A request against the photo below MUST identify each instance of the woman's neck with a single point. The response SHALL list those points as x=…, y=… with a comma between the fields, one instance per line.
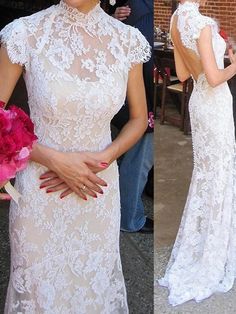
x=83, y=8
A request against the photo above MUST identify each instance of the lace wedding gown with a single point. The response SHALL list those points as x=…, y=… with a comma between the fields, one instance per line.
x=65, y=253
x=203, y=260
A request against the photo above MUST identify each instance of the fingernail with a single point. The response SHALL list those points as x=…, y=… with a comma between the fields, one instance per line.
x=85, y=198
x=7, y=198
x=2, y=103
x=49, y=191
x=61, y=197
x=42, y=186
x=104, y=164
x=101, y=192
x=95, y=196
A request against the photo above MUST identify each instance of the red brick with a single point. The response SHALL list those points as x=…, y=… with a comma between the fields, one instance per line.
x=223, y=11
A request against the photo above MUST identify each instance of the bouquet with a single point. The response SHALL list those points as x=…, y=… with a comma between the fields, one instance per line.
x=16, y=141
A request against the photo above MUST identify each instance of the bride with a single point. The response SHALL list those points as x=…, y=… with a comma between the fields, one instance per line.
x=203, y=260
x=77, y=63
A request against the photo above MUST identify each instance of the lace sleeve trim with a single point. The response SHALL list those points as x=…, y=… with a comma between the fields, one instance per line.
x=140, y=50
x=13, y=38
x=201, y=24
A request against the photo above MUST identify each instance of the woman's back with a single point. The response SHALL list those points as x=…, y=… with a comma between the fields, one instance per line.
x=204, y=254
x=186, y=26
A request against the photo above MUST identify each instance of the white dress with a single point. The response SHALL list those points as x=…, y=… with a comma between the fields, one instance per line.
x=203, y=260
x=65, y=253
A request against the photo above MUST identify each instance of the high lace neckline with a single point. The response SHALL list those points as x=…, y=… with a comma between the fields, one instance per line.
x=75, y=15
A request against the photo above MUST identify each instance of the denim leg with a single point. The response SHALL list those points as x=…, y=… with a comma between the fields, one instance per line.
x=134, y=169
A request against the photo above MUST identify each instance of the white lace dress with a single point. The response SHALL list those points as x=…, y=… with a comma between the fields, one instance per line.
x=203, y=260
x=65, y=253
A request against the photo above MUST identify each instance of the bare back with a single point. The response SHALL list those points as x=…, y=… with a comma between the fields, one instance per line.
x=190, y=59
x=187, y=24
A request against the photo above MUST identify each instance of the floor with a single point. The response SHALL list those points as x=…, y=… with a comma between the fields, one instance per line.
x=173, y=173
x=137, y=260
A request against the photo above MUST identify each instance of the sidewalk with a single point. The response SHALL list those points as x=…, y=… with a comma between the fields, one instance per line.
x=137, y=260
x=173, y=174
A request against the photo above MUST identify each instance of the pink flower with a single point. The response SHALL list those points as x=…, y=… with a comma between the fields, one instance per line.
x=5, y=121
x=151, y=121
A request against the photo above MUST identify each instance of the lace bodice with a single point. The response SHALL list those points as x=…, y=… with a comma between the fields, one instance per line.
x=65, y=253
x=76, y=70
x=190, y=24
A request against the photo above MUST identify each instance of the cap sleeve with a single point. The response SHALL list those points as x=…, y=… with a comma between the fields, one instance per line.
x=201, y=23
x=13, y=38
x=140, y=50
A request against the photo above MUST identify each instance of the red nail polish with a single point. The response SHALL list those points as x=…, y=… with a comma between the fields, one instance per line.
x=85, y=198
x=104, y=164
x=101, y=192
x=95, y=196
x=61, y=197
x=2, y=104
x=7, y=198
x=49, y=191
x=42, y=186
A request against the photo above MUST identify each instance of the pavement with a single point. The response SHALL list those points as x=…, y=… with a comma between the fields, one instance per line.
x=172, y=177
x=137, y=261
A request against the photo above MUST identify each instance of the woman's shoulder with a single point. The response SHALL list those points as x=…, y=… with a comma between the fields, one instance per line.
x=193, y=22
x=15, y=36
x=28, y=23
x=200, y=22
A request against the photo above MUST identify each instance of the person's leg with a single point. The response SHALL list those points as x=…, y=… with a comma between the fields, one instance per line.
x=134, y=169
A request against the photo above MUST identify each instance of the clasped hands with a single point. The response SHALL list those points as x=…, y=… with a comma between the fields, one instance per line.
x=75, y=172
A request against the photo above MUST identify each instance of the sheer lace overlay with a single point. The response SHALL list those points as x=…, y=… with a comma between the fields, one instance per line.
x=65, y=253
x=203, y=260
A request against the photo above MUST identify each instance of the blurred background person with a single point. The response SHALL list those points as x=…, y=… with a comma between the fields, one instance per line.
x=137, y=164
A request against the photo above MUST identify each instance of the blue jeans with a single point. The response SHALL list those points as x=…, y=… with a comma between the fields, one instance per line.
x=134, y=168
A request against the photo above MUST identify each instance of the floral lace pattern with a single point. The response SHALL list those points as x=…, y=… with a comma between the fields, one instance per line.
x=65, y=253
x=191, y=23
x=204, y=255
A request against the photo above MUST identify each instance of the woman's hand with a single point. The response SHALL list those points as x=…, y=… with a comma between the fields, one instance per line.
x=232, y=56
x=122, y=13
x=71, y=173
x=52, y=183
x=4, y=196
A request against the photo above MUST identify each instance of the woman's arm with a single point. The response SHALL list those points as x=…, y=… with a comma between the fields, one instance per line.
x=9, y=75
x=214, y=75
x=138, y=118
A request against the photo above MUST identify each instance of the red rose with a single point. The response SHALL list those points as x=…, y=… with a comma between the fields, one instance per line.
x=23, y=117
x=8, y=146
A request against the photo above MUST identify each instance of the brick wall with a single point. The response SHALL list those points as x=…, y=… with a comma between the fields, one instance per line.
x=222, y=10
